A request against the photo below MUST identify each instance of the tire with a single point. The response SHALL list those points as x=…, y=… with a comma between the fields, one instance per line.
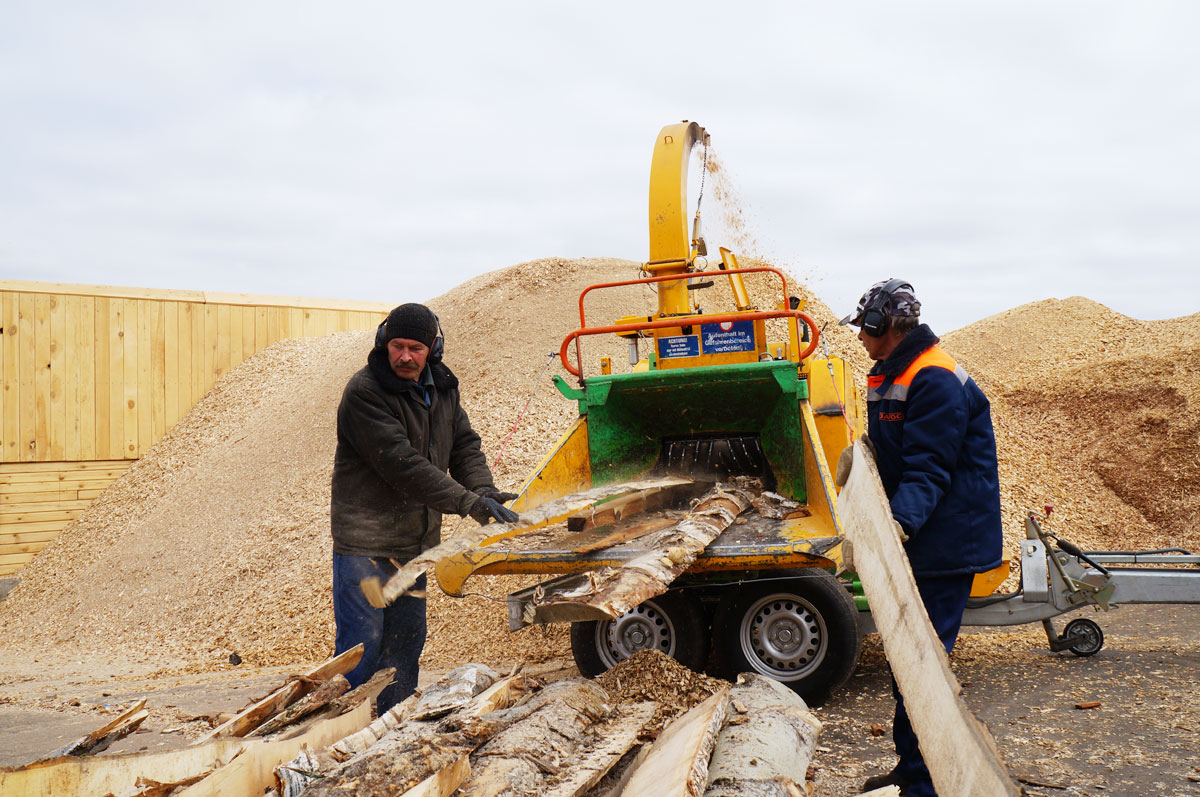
x=1093, y=636
x=802, y=631
x=677, y=627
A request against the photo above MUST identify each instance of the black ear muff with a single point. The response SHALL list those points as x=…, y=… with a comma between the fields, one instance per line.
x=381, y=334
x=439, y=343
x=877, y=317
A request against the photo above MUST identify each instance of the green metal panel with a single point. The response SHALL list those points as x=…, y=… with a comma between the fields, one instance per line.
x=630, y=414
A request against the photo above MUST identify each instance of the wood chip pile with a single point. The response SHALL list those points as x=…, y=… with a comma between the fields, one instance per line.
x=217, y=541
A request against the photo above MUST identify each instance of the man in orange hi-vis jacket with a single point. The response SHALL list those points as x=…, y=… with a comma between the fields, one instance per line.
x=931, y=429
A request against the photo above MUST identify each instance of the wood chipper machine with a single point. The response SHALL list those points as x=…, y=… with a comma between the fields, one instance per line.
x=709, y=400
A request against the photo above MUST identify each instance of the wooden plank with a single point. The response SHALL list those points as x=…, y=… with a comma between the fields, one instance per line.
x=235, y=337
x=10, y=417
x=129, y=387
x=145, y=380
x=961, y=755
x=57, y=399
x=61, y=467
x=315, y=700
x=209, y=346
x=262, y=331
x=30, y=547
x=158, y=372
x=380, y=595
x=191, y=353
x=103, y=378
x=37, y=517
x=70, y=288
x=40, y=443
x=11, y=562
x=86, y=378
x=170, y=387
x=249, y=719
x=27, y=345
x=18, y=534
x=72, y=367
x=677, y=762
x=51, y=505
x=16, y=495
x=248, y=326
x=117, y=728
x=116, y=378
x=36, y=482
x=221, y=348
x=53, y=526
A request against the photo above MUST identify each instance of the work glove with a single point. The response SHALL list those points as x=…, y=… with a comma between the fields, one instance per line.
x=488, y=509
x=495, y=495
x=846, y=460
x=899, y=530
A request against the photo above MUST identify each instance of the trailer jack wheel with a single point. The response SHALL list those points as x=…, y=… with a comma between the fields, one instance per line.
x=1084, y=637
x=801, y=631
x=677, y=627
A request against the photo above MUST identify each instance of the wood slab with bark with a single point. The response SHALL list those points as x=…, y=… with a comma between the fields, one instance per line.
x=615, y=738
x=669, y=552
x=381, y=595
x=958, y=749
x=117, y=728
x=677, y=762
x=250, y=718
x=310, y=703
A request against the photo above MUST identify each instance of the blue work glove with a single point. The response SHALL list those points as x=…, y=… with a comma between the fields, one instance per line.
x=488, y=509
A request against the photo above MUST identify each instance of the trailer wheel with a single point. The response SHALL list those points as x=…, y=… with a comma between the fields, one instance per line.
x=802, y=631
x=677, y=627
x=1092, y=638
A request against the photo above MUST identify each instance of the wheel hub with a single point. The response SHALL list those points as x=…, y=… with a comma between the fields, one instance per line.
x=643, y=627
x=784, y=635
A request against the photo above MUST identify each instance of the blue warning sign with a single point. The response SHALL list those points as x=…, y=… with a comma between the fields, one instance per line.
x=679, y=346
x=728, y=336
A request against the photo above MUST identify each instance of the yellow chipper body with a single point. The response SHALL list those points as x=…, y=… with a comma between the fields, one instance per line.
x=709, y=400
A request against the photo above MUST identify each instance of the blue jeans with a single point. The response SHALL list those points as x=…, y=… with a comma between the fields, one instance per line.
x=391, y=637
x=945, y=598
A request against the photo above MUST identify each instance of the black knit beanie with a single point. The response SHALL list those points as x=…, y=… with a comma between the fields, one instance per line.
x=411, y=321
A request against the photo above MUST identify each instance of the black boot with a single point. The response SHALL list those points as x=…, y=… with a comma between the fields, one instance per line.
x=893, y=778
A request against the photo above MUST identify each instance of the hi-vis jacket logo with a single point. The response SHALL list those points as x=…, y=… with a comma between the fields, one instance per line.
x=891, y=416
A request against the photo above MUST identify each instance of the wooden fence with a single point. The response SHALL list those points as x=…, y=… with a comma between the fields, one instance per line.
x=94, y=376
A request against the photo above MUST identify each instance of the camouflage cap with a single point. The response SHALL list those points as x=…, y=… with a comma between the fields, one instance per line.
x=903, y=303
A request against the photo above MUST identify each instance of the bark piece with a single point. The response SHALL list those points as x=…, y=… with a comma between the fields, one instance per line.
x=381, y=595
x=118, y=728
x=768, y=749
x=961, y=755
x=615, y=738
x=677, y=762
x=615, y=535
x=444, y=782
x=616, y=590
x=313, y=701
x=281, y=698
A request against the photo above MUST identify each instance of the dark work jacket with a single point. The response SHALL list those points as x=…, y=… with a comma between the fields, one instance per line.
x=390, y=480
x=932, y=430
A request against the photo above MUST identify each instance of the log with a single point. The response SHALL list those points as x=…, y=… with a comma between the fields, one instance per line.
x=677, y=762
x=313, y=701
x=517, y=759
x=281, y=698
x=615, y=738
x=118, y=728
x=381, y=595
x=961, y=755
x=766, y=744
x=616, y=590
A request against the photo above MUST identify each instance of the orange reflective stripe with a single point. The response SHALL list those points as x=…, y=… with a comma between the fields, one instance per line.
x=933, y=356
x=876, y=380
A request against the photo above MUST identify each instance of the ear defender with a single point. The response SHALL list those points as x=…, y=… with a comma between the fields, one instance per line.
x=877, y=318
x=381, y=334
x=439, y=343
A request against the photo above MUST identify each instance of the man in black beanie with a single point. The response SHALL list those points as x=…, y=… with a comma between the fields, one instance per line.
x=406, y=453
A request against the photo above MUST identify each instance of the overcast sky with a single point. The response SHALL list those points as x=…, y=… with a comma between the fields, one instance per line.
x=994, y=153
